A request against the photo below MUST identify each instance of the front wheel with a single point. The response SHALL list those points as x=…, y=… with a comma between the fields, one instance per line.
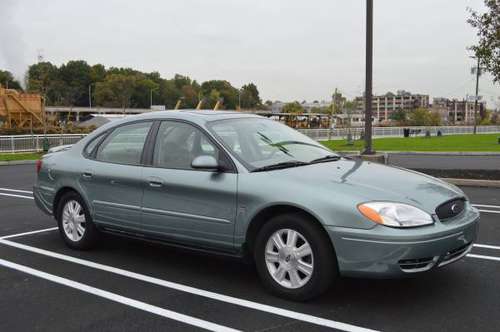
x=75, y=224
x=294, y=257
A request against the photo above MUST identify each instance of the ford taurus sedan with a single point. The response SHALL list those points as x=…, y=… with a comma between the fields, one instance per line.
x=243, y=185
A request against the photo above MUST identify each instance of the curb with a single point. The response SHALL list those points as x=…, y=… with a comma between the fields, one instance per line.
x=473, y=183
x=17, y=162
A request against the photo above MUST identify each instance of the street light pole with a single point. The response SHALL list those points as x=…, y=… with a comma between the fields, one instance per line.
x=90, y=95
x=477, y=92
x=369, y=72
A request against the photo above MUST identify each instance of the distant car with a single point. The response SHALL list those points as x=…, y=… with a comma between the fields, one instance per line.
x=244, y=185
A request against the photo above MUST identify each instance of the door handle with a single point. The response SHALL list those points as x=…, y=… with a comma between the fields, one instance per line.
x=155, y=184
x=87, y=175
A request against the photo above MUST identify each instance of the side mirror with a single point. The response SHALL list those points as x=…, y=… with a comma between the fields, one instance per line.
x=205, y=162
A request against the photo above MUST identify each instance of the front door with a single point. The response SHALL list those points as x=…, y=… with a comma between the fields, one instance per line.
x=186, y=205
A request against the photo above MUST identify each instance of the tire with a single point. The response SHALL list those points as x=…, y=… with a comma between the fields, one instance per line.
x=67, y=221
x=294, y=259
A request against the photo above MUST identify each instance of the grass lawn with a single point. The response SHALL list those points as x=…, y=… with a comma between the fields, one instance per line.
x=19, y=156
x=451, y=143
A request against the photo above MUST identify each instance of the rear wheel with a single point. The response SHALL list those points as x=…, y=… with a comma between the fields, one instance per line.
x=294, y=257
x=75, y=224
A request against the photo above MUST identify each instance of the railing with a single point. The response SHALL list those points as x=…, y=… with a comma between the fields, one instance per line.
x=341, y=133
x=31, y=143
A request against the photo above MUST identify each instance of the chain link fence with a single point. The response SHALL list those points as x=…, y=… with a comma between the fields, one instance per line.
x=32, y=143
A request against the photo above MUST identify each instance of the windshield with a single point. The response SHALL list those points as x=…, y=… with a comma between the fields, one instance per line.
x=260, y=142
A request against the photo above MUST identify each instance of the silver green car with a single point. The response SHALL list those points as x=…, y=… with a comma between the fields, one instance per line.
x=242, y=185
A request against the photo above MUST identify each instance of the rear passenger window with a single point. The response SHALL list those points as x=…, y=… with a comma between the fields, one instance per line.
x=125, y=144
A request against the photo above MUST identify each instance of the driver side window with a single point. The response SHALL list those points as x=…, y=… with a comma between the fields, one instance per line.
x=178, y=143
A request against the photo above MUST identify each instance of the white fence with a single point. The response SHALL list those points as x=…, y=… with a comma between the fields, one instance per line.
x=30, y=143
x=341, y=133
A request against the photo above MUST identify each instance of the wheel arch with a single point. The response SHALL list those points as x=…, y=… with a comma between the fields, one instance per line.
x=265, y=214
x=60, y=193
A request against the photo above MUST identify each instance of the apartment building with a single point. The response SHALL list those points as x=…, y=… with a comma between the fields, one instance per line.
x=456, y=111
x=384, y=105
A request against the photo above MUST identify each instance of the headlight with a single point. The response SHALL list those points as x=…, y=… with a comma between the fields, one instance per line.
x=395, y=214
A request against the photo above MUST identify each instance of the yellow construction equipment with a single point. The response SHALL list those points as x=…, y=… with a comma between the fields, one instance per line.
x=178, y=104
x=21, y=110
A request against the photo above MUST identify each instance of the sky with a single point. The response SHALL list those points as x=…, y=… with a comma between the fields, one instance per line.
x=291, y=49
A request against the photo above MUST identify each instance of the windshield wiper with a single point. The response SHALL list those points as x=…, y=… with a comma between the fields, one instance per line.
x=331, y=157
x=285, y=164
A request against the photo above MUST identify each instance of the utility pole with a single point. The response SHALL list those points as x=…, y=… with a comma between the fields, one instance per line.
x=334, y=100
x=90, y=95
x=478, y=72
x=369, y=72
x=150, y=98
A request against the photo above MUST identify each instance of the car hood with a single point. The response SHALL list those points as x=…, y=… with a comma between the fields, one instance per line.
x=368, y=181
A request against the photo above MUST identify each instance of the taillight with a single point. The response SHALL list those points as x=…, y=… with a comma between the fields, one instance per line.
x=38, y=166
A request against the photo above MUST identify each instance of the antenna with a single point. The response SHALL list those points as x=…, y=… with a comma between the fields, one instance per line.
x=40, y=56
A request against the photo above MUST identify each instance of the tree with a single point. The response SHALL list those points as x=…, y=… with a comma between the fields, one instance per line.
x=7, y=80
x=116, y=90
x=294, y=107
x=488, y=30
x=77, y=77
x=224, y=89
x=423, y=117
x=249, y=97
x=42, y=78
x=399, y=116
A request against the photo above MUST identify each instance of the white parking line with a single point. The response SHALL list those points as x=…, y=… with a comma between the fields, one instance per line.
x=486, y=246
x=490, y=211
x=118, y=298
x=491, y=258
x=486, y=206
x=28, y=233
x=18, y=196
x=16, y=190
x=192, y=290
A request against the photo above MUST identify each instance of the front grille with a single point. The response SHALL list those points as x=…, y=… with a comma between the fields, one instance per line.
x=450, y=209
x=417, y=264
x=455, y=254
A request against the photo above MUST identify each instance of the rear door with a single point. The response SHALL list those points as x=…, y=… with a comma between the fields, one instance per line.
x=184, y=204
x=112, y=178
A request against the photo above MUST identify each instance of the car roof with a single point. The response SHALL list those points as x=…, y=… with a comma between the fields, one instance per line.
x=195, y=115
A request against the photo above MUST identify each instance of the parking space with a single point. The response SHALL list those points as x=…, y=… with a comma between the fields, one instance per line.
x=128, y=285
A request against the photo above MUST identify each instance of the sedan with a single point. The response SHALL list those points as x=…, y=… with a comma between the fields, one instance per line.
x=242, y=185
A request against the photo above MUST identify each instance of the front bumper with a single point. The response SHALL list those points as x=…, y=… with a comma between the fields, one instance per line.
x=384, y=252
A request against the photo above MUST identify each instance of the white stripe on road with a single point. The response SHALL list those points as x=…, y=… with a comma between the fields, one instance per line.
x=192, y=290
x=486, y=206
x=28, y=233
x=486, y=246
x=491, y=258
x=16, y=190
x=18, y=196
x=118, y=298
x=489, y=211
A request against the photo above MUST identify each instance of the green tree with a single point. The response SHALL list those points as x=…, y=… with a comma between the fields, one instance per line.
x=225, y=91
x=76, y=76
x=249, y=97
x=42, y=78
x=399, y=116
x=294, y=107
x=7, y=80
x=488, y=30
x=423, y=117
x=116, y=90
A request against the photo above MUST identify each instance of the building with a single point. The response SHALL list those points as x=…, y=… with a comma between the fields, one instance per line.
x=456, y=111
x=384, y=105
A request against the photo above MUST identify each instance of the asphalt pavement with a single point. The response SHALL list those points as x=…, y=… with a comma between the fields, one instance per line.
x=126, y=285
